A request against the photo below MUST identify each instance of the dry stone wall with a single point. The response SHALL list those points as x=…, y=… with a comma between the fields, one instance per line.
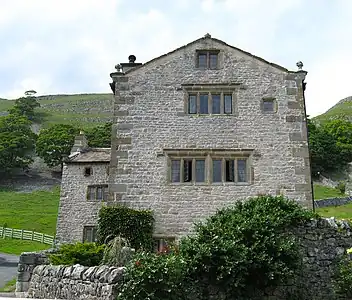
x=75, y=282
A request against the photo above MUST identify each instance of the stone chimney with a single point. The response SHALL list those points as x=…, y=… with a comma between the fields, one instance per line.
x=130, y=65
x=80, y=144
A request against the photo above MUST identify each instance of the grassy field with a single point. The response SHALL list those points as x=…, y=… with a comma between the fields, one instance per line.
x=30, y=211
x=323, y=192
x=339, y=212
x=84, y=110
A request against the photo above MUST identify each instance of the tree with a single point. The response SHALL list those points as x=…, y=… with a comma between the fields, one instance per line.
x=341, y=130
x=25, y=106
x=17, y=142
x=324, y=151
x=99, y=136
x=54, y=142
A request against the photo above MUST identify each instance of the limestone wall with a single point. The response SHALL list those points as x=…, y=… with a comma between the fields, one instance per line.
x=332, y=202
x=75, y=282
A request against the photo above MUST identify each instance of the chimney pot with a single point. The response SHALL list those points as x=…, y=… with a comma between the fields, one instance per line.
x=131, y=59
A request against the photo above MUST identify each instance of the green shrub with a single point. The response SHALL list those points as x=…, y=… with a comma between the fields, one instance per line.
x=242, y=251
x=341, y=186
x=117, y=252
x=134, y=225
x=86, y=254
x=343, y=278
x=155, y=277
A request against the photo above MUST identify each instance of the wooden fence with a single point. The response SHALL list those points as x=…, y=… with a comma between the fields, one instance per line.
x=26, y=235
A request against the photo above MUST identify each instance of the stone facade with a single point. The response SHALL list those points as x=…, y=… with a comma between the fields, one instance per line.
x=151, y=122
x=75, y=282
x=152, y=126
x=322, y=243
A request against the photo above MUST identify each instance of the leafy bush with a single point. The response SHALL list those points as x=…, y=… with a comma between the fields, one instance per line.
x=86, y=254
x=343, y=277
x=117, y=252
x=235, y=254
x=134, y=225
x=242, y=251
x=99, y=136
x=341, y=186
x=155, y=277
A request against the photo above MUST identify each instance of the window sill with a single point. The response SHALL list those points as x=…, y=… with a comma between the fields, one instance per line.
x=96, y=200
x=211, y=115
x=209, y=184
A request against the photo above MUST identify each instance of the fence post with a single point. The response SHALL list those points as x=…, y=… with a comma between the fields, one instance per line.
x=3, y=232
x=21, y=234
x=32, y=235
x=43, y=238
x=12, y=233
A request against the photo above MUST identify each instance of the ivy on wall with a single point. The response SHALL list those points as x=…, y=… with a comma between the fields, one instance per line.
x=134, y=225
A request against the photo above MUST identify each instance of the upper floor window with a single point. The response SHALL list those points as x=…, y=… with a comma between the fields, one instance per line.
x=210, y=103
x=209, y=168
x=207, y=59
x=97, y=192
x=268, y=105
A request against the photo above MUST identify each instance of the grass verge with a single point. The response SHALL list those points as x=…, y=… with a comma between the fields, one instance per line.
x=339, y=212
x=10, y=286
x=323, y=192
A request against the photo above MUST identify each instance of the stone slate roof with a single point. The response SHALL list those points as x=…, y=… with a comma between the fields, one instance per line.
x=90, y=155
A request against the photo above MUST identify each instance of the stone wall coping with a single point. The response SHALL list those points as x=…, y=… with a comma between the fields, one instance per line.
x=332, y=201
x=102, y=274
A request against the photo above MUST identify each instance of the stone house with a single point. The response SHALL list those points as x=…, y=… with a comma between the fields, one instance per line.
x=195, y=129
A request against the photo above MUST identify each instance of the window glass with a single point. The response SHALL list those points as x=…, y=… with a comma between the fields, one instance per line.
x=89, y=234
x=99, y=193
x=203, y=104
x=268, y=105
x=175, y=170
x=187, y=170
x=202, y=60
x=217, y=170
x=213, y=60
x=91, y=193
x=192, y=104
x=200, y=170
x=242, y=170
x=230, y=170
x=228, y=104
x=216, y=104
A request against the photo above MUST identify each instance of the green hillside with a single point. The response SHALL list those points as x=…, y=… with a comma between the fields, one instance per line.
x=84, y=109
x=341, y=110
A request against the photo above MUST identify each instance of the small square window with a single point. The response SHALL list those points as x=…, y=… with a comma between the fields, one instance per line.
x=89, y=234
x=268, y=105
x=161, y=244
x=88, y=171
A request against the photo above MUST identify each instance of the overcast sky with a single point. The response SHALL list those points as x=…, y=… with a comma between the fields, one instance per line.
x=71, y=46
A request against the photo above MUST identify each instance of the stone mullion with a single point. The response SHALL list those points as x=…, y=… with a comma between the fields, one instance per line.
x=210, y=101
x=235, y=170
x=198, y=103
x=209, y=169
x=193, y=170
x=182, y=170
x=223, y=170
x=222, y=103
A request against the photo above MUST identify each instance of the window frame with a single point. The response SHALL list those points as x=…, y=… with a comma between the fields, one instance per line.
x=208, y=53
x=162, y=242
x=210, y=94
x=95, y=188
x=85, y=173
x=273, y=101
x=93, y=234
x=209, y=157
